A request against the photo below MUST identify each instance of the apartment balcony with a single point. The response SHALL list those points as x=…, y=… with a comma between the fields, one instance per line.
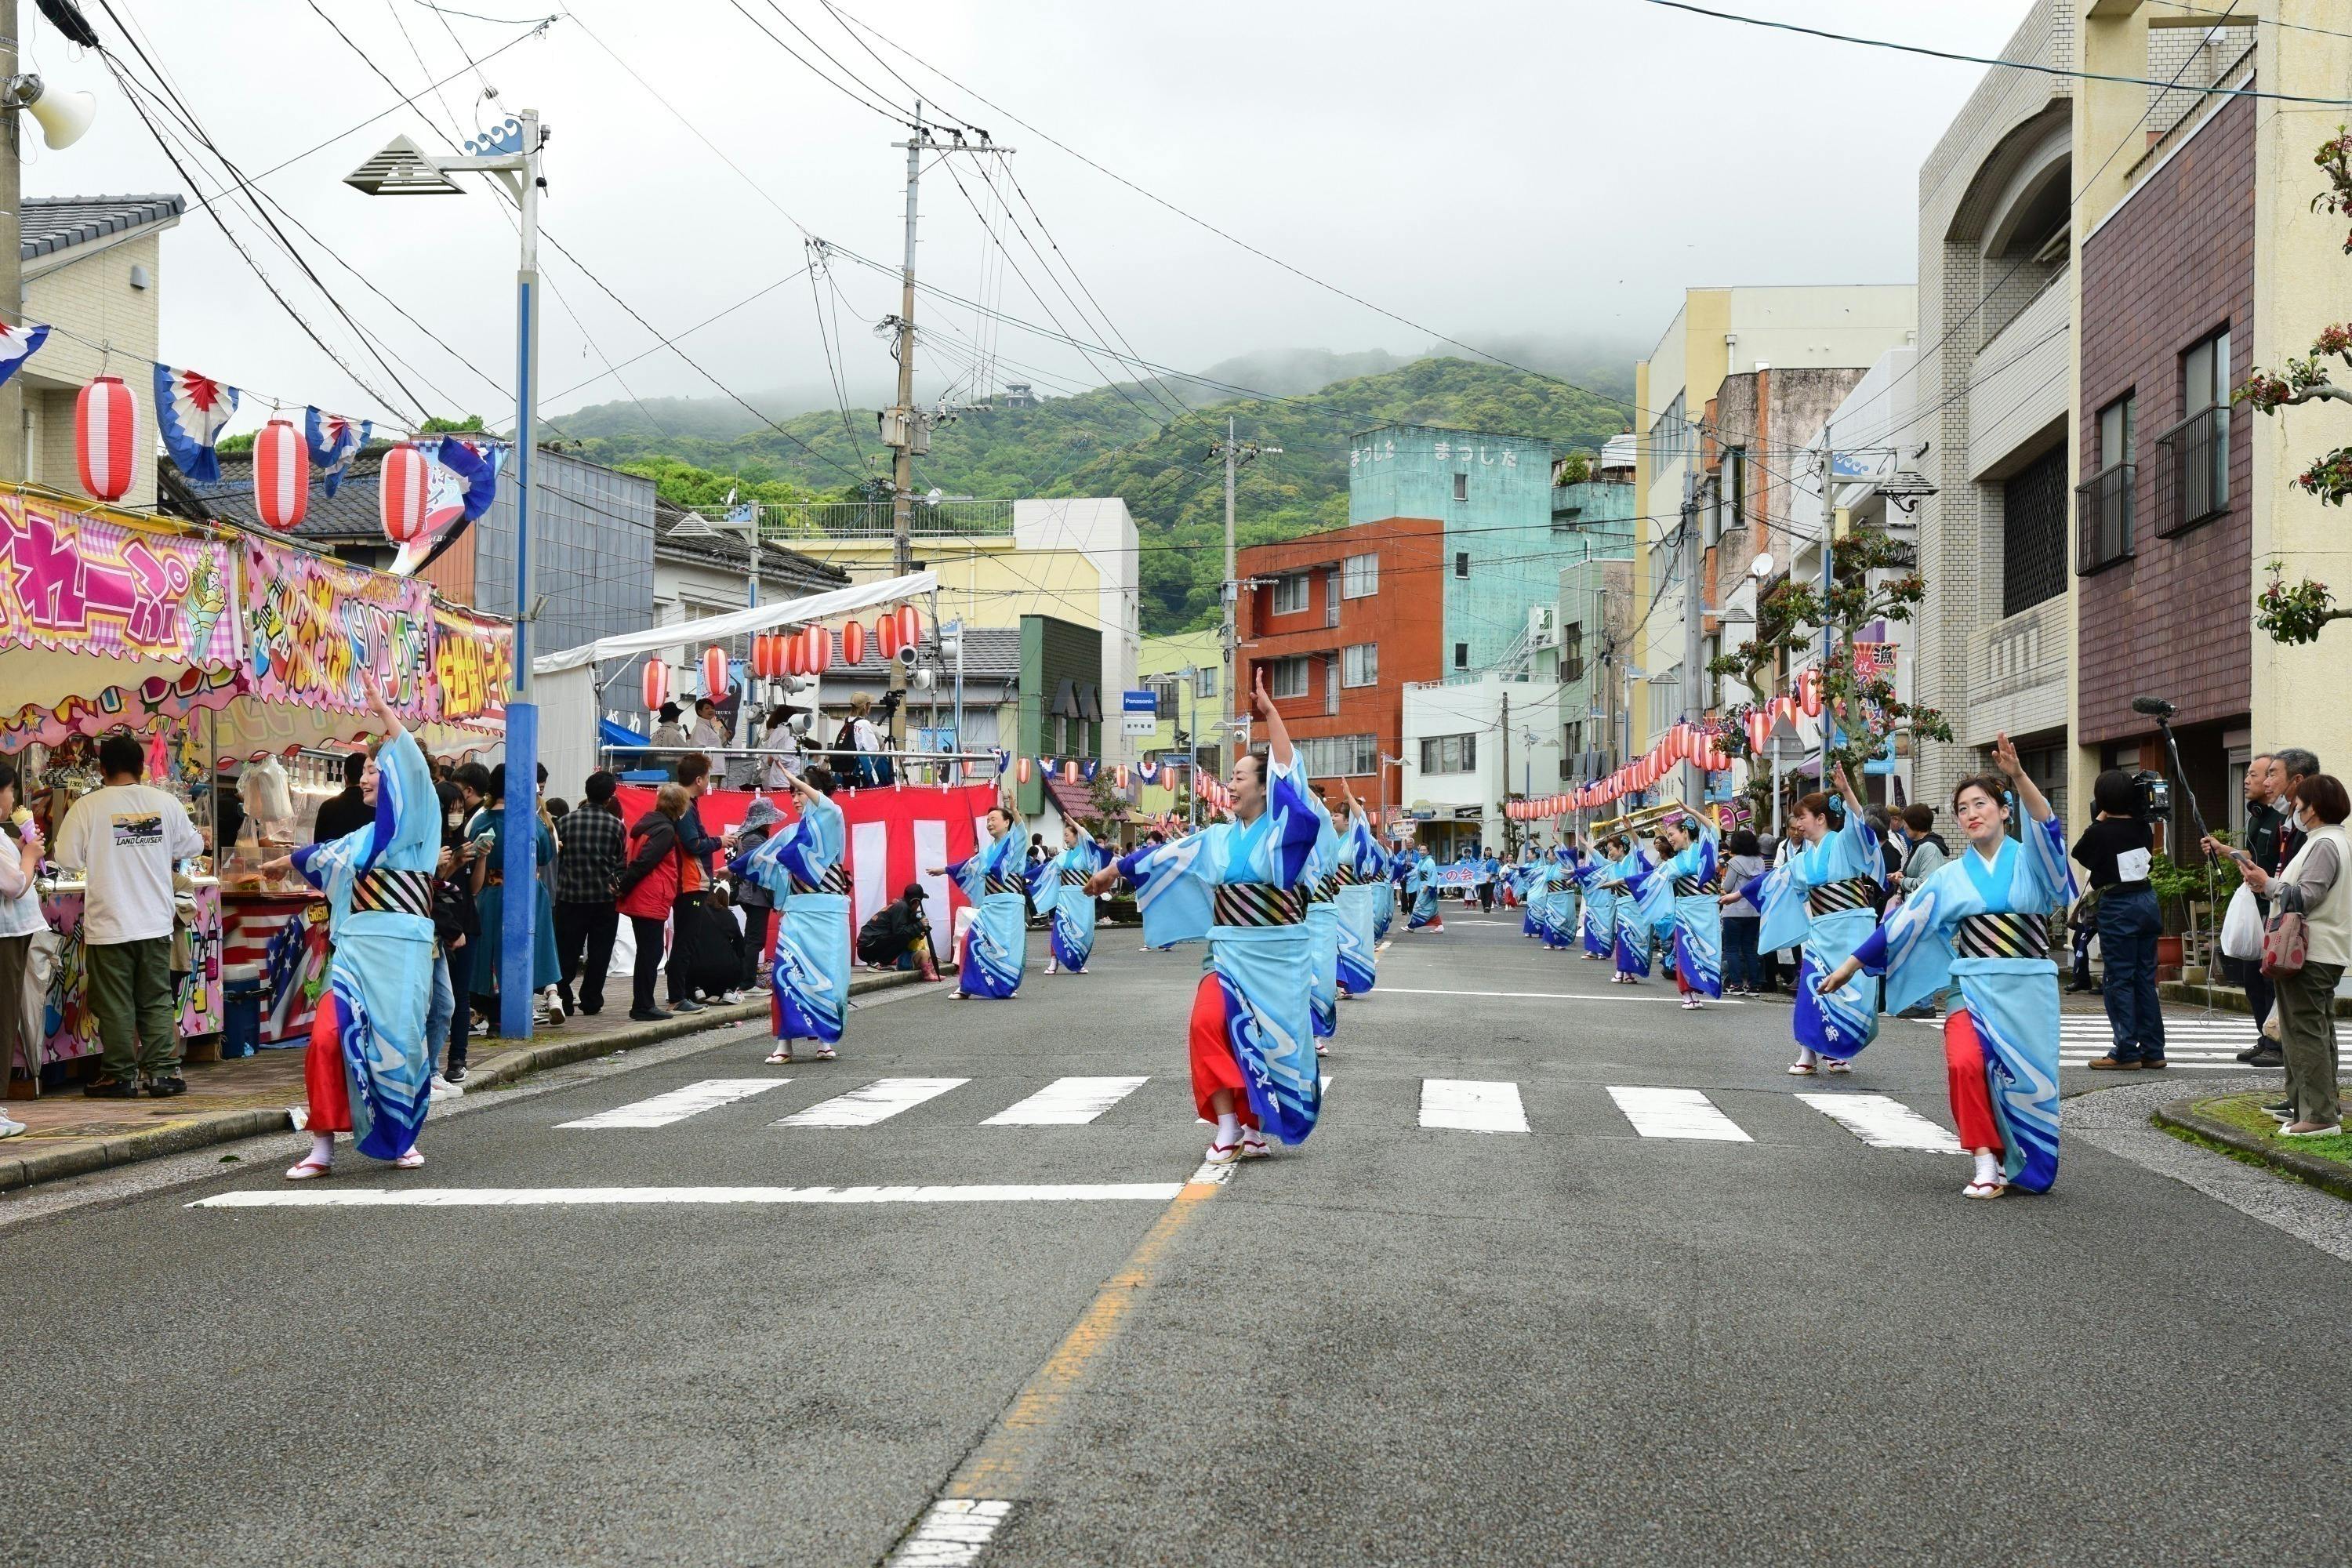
x=2196, y=484
x=2104, y=504
x=2019, y=386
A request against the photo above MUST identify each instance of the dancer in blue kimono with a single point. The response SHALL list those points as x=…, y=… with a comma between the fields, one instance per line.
x=1519, y=878
x=1567, y=888
x=1363, y=880
x=998, y=942
x=1690, y=875
x=1630, y=942
x=1241, y=886
x=1323, y=925
x=369, y=1071
x=1422, y=889
x=1600, y=883
x=1980, y=920
x=802, y=865
x=1058, y=887
x=1823, y=897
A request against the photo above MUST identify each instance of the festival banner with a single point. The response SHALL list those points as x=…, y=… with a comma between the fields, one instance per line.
x=83, y=585
x=312, y=624
x=473, y=667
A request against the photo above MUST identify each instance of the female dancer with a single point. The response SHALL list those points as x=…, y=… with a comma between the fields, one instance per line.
x=370, y=1067
x=1422, y=887
x=801, y=866
x=1981, y=921
x=1323, y=924
x=998, y=943
x=1568, y=888
x=1241, y=885
x=1363, y=874
x=1057, y=886
x=1630, y=943
x=1699, y=919
x=1600, y=892
x=1821, y=896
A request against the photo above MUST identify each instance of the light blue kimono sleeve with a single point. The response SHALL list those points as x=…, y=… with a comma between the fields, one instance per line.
x=1911, y=949
x=2043, y=865
x=1172, y=885
x=1786, y=921
x=1298, y=820
x=1044, y=883
x=1857, y=845
x=763, y=862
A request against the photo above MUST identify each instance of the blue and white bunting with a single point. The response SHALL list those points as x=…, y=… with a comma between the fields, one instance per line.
x=191, y=410
x=19, y=344
x=334, y=441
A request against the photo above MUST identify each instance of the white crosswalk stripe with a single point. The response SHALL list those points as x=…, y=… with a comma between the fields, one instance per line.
x=1471, y=1106
x=1067, y=1102
x=878, y=1101
x=1676, y=1113
x=679, y=1103
x=1882, y=1123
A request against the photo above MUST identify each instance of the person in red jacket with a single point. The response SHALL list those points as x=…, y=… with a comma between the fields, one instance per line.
x=648, y=886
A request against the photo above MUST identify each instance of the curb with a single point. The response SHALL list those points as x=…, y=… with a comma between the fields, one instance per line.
x=228, y=1126
x=2328, y=1175
x=2224, y=998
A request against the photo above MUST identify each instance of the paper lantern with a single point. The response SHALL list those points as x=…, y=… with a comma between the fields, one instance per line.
x=886, y=636
x=282, y=476
x=909, y=626
x=657, y=685
x=1021, y=770
x=853, y=643
x=1757, y=720
x=106, y=437
x=407, y=479
x=714, y=673
x=1809, y=692
x=817, y=651
x=767, y=656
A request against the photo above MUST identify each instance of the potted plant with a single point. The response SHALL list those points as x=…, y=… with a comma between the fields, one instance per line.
x=2177, y=887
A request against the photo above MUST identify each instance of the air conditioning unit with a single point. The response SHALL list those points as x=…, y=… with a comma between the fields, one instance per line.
x=1543, y=626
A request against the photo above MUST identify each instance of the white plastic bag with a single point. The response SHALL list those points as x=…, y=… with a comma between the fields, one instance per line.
x=2241, y=925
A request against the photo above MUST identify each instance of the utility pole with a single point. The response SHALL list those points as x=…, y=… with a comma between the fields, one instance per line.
x=1235, y=453
x=905, y=430
x=1503, y=729
x=1694, y=553
x=13, y=464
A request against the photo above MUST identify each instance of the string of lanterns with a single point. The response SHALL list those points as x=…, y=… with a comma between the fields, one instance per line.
x=778, y=656
x=1701, y=744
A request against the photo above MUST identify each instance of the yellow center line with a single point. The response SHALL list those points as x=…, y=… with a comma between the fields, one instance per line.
x=1001, y=1465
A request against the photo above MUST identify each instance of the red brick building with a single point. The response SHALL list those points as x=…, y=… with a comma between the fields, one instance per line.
x=1339, y=622
x=2164, y=519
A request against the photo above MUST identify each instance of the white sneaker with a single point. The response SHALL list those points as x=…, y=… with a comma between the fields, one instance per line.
x=732, y=997
x=554, y=999
x=442, y=1090
x=10, y=1129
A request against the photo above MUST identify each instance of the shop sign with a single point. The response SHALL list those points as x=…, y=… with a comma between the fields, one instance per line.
x=473, y=666
x=312, y=624
x=84, y=584
x=1139, y=712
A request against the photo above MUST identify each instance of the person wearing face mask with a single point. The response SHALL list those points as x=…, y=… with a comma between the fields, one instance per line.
x=1822, y=898
x=1981, y=922
x=2312, y=886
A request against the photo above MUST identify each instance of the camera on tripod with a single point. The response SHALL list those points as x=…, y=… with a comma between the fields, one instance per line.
x=2155, y=794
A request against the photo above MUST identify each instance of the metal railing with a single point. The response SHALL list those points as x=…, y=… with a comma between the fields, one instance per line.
x=2198, y=449
x=782, y=522
x=2104, y=504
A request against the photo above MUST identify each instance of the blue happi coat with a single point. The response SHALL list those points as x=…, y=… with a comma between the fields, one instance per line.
x=1261, y=970
x=1363, y=889
x=1068, y=904
x=1698, y=918
x=2013, y=1002
x=380, y=981
x=802, y=865
x=1841, y=1024
x=998, y=942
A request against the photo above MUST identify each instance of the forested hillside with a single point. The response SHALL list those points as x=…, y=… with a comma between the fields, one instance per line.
x=1113, y=441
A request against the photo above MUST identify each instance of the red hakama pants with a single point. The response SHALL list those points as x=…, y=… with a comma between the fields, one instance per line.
x=1214, y=1065
x=1964, y=1067
x=323, y=1076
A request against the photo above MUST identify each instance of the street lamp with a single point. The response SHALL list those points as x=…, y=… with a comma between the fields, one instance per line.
x=509, y=152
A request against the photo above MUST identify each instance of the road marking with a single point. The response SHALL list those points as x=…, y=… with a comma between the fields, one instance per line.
x=878, y=1101
x=1469, y=1105
x=954, y=1533
x=1560, y=995
x=1882, y=1123
x=1067, y=1102
x=1676, y=1113
x=679, y=1103
x=590, y=1198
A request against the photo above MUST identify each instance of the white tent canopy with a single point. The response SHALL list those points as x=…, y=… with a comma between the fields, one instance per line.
x=758, y=618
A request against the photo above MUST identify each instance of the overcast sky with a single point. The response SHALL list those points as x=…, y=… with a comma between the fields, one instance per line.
x=1558, y=168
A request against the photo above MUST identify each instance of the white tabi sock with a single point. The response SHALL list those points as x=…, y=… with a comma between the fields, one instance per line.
x=1229, y=1129
x=322, y=1147
x=1987, y=1168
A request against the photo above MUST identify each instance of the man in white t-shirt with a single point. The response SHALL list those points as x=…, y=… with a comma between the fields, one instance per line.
x=126, y=839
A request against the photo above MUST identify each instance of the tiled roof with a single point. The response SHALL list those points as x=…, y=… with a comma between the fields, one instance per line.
x=354, y=513
x=989, y=653
x=724, y=549
x=51, y=223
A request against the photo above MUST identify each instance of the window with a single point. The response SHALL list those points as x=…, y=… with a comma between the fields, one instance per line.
x=1331, y=598
x=1710, y=685
x=2104, y=501
x=1360, y=664
x=1571, y=651
x=1205, y=683
x=2198, y=446
x=1359, y=576
x=1449, y=754
x=1735, y=487
x=1330, y=683
x=1164, y=688
x=2033, y=533
x=1572, y=737
x=1462, y=564
x=1061, y=734
x=1290, y=594
x=1462, y=655
x=1461, y=487
x=1290, y=677
x=1339, y=756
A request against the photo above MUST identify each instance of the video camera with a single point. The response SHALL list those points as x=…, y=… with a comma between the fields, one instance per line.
x=2155, y=794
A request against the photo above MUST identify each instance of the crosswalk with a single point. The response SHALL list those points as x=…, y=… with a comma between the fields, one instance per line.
x=2196, y=1041
x=1486, y=1106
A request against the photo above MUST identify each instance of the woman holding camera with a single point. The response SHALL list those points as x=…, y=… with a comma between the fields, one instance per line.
x=2117, y=850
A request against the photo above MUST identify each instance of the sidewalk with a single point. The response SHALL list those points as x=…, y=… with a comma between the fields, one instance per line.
x=71, y=1136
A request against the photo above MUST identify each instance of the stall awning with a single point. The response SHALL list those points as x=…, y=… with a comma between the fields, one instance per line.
x=822, y=606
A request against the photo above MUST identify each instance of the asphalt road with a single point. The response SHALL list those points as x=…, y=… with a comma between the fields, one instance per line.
x=1402, y=1343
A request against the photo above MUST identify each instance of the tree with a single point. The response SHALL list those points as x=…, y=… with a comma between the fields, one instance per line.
x=1871, y=577
x=2296, y=613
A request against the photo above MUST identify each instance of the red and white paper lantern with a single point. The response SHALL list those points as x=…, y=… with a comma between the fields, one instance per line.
x=1809, y=692
x=909, y=626
x=886, y=636
x=714, y=673
x=282, y=476
x=656, y=685
x=407, y=479
x=816, y=649
x=768, y=658
x=106, y=437
x=853, y=643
